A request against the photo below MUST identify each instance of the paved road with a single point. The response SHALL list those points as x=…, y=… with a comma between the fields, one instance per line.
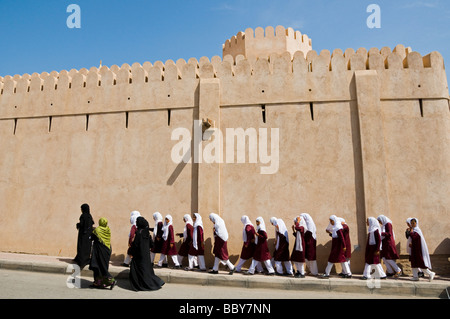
x=30, y=285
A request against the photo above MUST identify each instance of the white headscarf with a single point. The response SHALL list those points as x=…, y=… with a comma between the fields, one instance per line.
x=188, y=220
x=133, y=216
x=166, y=227
x=246, y=221
x=298, y=235
x=374, y=225
x=310, y=226
x=219, y=226
x=261, y=226
x=157, y=217
x=384, y=220
x=281, y=229
x=198, y=223
x=336, y=227
x=425, y=253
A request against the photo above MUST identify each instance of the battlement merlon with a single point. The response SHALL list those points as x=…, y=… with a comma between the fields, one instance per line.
x=261, y=43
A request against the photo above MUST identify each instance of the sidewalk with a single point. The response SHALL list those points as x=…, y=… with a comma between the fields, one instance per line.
x=400, y=287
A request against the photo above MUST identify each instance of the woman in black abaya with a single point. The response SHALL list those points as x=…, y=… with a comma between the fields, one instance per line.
x=84, y=243
x=142, y=276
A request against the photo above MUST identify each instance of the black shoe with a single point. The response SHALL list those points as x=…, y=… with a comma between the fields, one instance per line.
x=364, y=278
x=125, y=265
x=165, y=266
x=177, y=267
x=421, y=274
x=323, y=276
x=213, y=272
x=271, y=274
x=347, y=276
x=232, y=271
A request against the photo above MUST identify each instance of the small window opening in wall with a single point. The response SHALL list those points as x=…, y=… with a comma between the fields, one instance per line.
x=15, y=126
x=128, y=98
x=87, y=122
x=263, y=110
x=49, y=124
x=146, y=79
x=126, y=119
x=311, y=110
x=262, y=91
x=14, y=90
x=56, y=86
x=421, y=107
x=168, y=116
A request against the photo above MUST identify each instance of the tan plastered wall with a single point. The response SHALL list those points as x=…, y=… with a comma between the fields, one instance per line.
x=360, y=134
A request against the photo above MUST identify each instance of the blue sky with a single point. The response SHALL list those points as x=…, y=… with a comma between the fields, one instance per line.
x=35, y=37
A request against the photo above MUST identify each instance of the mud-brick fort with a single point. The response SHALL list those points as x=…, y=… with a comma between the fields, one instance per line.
x=360, y=133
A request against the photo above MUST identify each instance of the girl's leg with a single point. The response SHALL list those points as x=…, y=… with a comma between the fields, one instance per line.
x=175, y=260
x=300, y=267
x=346, y=268
x=279, y=267
x=367, y=270
x=201, y=262
x=127, y=260
x=229, y=264
x=162, y=258
x=312, y=265
x=328, y=268
x=430, y=274
x=288, y=266
x=379, y=270
x=216, y=264
x=389, y=269
x=259, y=267
x=251, y=270
x=269, y=267
x=191, y=261
x=415, y=272
x=239, y=265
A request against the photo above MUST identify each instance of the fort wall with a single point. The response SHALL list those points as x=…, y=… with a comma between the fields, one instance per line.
x=361, y=133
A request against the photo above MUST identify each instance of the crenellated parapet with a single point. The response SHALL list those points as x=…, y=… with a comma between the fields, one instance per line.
x=261, y=42
x=277, y=78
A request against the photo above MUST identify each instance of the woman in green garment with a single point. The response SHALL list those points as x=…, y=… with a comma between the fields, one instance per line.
x=101, y=254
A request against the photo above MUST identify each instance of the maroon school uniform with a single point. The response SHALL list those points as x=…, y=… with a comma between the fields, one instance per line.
x=282, y=253
x=200, y=251
x=248, y=247
x=185, y=246
x=166, y=249
x=157, y=245
x=346, y=233
x=220, y=249
x=388, y=249
x=262, y=249
x=416, y=256
x=298, y=256
x=370, y=257
x=310, y=246
x=337, y=248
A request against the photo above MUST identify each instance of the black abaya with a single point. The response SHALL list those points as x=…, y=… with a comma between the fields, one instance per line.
x=100, y=263
x=142, y=276
x=84, y=243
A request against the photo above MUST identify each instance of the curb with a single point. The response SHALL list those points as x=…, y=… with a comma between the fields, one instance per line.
x=334, y=284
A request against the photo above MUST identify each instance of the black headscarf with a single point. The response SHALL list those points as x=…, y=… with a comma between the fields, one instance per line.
x=143, y=227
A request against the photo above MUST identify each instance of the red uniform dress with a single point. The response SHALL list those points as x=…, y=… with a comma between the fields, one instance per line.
x=282, y=253
x=416, y=256
x=248, y=247
x=187, y=243
x=370, y=257
x=157, y=245
x=310, y=246
x=337, y=254
x=262, y=249
x=388, y=249
x=346, y=233
x=297, y=255
x=199, y=251
x=166, y=249
x=220, y=249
